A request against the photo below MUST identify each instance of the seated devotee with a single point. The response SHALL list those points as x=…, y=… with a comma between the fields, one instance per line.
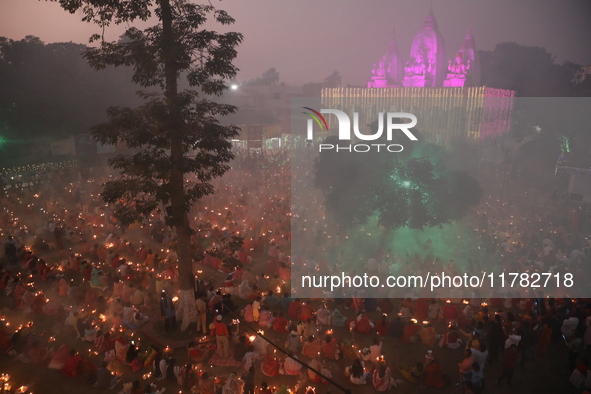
x=312, y=347
x=266, y=318
x=293, y=341
x=271, y=365
x=105, y=378
x=420, y=309
x=291, y=366
x=356, y=372
x=428, y=335
x=361, y=324
x=434, y=375
x=450, y=312
x=206, y=384
x=271, y=300
x=451, y=339
x=294, y=308
x=72, y=365
x=375, y=349
x=382, y=379
x=233, y=385
x=337, y=319
x=323, y=316
x=280, y=324
x=370, y=304
x=330, y=348
x=382, y=326
x=39, y=354
x=409, y=335
x=318, y=366
x=305, y=312
x=244, y=289
x=396, y=328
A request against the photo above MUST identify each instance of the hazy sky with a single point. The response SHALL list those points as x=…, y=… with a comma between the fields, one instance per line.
x=307, y=39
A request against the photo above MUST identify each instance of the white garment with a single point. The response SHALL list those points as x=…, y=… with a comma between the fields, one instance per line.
x=513, y=339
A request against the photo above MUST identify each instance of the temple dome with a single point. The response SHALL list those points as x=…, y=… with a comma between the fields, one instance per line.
x=428, y=47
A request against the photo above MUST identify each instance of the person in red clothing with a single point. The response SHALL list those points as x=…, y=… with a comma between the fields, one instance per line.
x=409, y=335
x=312, y=347
x=450, y=312
x=330, y=348
x=305, y=312
x=382, y=326
x=72, y=365
x=420, y=309
x=294, y=308
x=509, y=361
x=362, y=323
x=280, y=324
x=220, y=330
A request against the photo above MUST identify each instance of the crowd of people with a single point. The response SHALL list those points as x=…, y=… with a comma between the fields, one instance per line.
x=99, y=302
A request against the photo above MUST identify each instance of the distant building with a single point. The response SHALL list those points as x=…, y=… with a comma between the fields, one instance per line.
x=264, y=113
x=444, y=94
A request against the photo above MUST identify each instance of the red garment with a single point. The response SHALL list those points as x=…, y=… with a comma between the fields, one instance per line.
x=382, y=328
x=450, y=312
x=420, y=310
x=305, y=312
x=280, y=325
x=72, y=366
x=410, y=330
x=38, y=303
x=434, y=375
x=294, y=309
x=270, y=366
x=219, y=329
x=329, y=350
x=363, y=325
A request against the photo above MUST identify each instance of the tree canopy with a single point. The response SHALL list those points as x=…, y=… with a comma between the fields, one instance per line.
x=531, y=72
x=408, y=189
x=48, y=92
x=179, y=144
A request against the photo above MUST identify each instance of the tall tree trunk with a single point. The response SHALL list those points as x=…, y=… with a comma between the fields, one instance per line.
x=178, y=199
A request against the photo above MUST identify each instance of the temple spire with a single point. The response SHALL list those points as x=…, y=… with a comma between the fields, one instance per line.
x=430, y=22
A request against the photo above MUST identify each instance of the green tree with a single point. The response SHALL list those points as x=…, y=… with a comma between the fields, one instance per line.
x=49, y=92
x=269, y=77
x=174, y=133
x=529, y=71
x=333, y=80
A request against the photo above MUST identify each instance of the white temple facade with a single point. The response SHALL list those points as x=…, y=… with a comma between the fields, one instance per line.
x=427, y=65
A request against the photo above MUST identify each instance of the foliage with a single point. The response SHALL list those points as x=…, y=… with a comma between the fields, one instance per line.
x=410, y=189
x=177, y=143
x=269, y=77
x=48, y=92
x=313, y=89
x=530, y=72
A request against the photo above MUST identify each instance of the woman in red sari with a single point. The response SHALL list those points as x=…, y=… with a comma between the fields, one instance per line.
x=72, y=365
x=382, y=326
x=280, y=324
x=305, y=312
x=382, y=378
x=409, y=335
x=311, y=348
x=270, y=365
x=434, y=375
x=362, y=323
x=330, y=348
